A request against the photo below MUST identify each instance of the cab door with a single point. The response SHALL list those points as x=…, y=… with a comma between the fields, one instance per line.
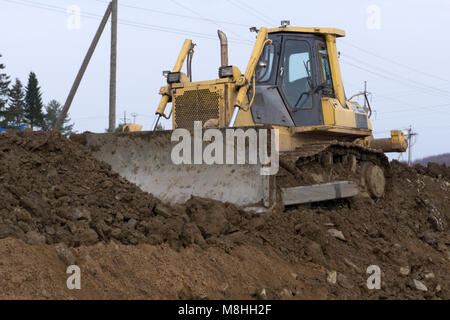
x=323, y=65
x=298, y=78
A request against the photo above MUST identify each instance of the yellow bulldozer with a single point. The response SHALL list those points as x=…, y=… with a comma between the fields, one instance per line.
x=292, y=87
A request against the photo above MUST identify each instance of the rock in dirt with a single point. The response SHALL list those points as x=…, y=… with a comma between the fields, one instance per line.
x=404, y=271
x=337, y=234
x=81, y=213
x=131, y=224
x=211, y=224
x=332, y=277
x=65, y=254
x=344, y=281
x=314, y=250
x=352, y=265
x=34, y=237
x=163, y=211
x=286, y=294
x=261, y=294
x=419, y=285
x=429, y=275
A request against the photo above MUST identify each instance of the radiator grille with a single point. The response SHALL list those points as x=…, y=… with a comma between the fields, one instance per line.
x=196, y=105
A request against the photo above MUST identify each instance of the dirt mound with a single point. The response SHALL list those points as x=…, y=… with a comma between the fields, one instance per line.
x=144, y=271
x=54, y=191
x=434, y=170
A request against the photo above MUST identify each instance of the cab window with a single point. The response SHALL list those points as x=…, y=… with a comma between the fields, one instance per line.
x=296, y=74
x=325, y=70
x=265, y=63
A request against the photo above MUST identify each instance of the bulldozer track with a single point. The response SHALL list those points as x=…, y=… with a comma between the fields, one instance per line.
x=335, y=161
x=313, y=152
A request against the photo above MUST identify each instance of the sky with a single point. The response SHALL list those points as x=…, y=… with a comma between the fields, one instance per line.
x=398, y=47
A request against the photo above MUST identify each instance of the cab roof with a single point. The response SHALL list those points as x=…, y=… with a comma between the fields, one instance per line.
x=333, y=31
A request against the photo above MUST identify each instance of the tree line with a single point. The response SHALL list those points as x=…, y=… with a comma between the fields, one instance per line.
x=23, y=106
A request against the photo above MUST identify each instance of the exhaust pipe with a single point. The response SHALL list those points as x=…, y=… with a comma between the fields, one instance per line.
x=223, y=48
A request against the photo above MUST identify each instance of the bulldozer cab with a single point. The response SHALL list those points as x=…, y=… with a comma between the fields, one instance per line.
x=292, y=82
x=292, y=76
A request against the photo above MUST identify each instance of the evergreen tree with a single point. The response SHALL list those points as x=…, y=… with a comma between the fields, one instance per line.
x=4, y=85
x=119, y=128
x=14, y=113
x=53, y=110
x=33, y=103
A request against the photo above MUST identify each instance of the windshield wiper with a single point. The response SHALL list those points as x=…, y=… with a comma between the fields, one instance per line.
x=316, y=89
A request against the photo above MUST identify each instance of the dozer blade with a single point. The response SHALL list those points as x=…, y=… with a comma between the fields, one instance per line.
x=144, y=158
x=318, y=192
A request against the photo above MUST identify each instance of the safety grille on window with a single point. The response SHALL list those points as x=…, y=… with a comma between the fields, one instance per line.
x=195, y=105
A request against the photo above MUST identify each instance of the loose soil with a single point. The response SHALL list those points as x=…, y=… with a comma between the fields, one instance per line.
x=60, y=206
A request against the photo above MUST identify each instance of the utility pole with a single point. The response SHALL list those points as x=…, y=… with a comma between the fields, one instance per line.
x=134, y=115
x=365, y=93
x=113, y=12
x=113, y=70
x=124, y=119
x=83, y=68
x=410, y=135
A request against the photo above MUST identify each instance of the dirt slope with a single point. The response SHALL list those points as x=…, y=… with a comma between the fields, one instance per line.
x=130, y=245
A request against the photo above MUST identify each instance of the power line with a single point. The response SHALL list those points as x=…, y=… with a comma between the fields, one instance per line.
x=179, y=15
x=412, y=116
x=255, y=12
x=394, y=62
x=252, y=10
x=409, y=92
x=200, y=16
x=249, y=10
x=131, y=23
x=408, y=109
x=392, y=78
x=415, y=107
x=402, y=102
x=416, y=83
x=175, y=31
x=418, y=108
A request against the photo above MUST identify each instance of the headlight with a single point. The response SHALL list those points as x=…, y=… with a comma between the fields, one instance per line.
x=225, y=72
x=173, y=77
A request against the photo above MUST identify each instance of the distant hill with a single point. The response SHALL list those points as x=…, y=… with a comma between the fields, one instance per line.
x=440, y=159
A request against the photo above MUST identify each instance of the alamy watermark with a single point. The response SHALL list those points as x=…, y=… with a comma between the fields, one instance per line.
x=74, y=18
x=74, y=280
x=373, y=20
x=206, y=146
x=374, y=281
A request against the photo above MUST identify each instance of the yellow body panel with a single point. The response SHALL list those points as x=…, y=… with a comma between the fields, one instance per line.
x=335, y=68
x=328, y=110
x=331, y=31
x=132, y=127
x=249, y=72
x=213, y=101
x=177, y=68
